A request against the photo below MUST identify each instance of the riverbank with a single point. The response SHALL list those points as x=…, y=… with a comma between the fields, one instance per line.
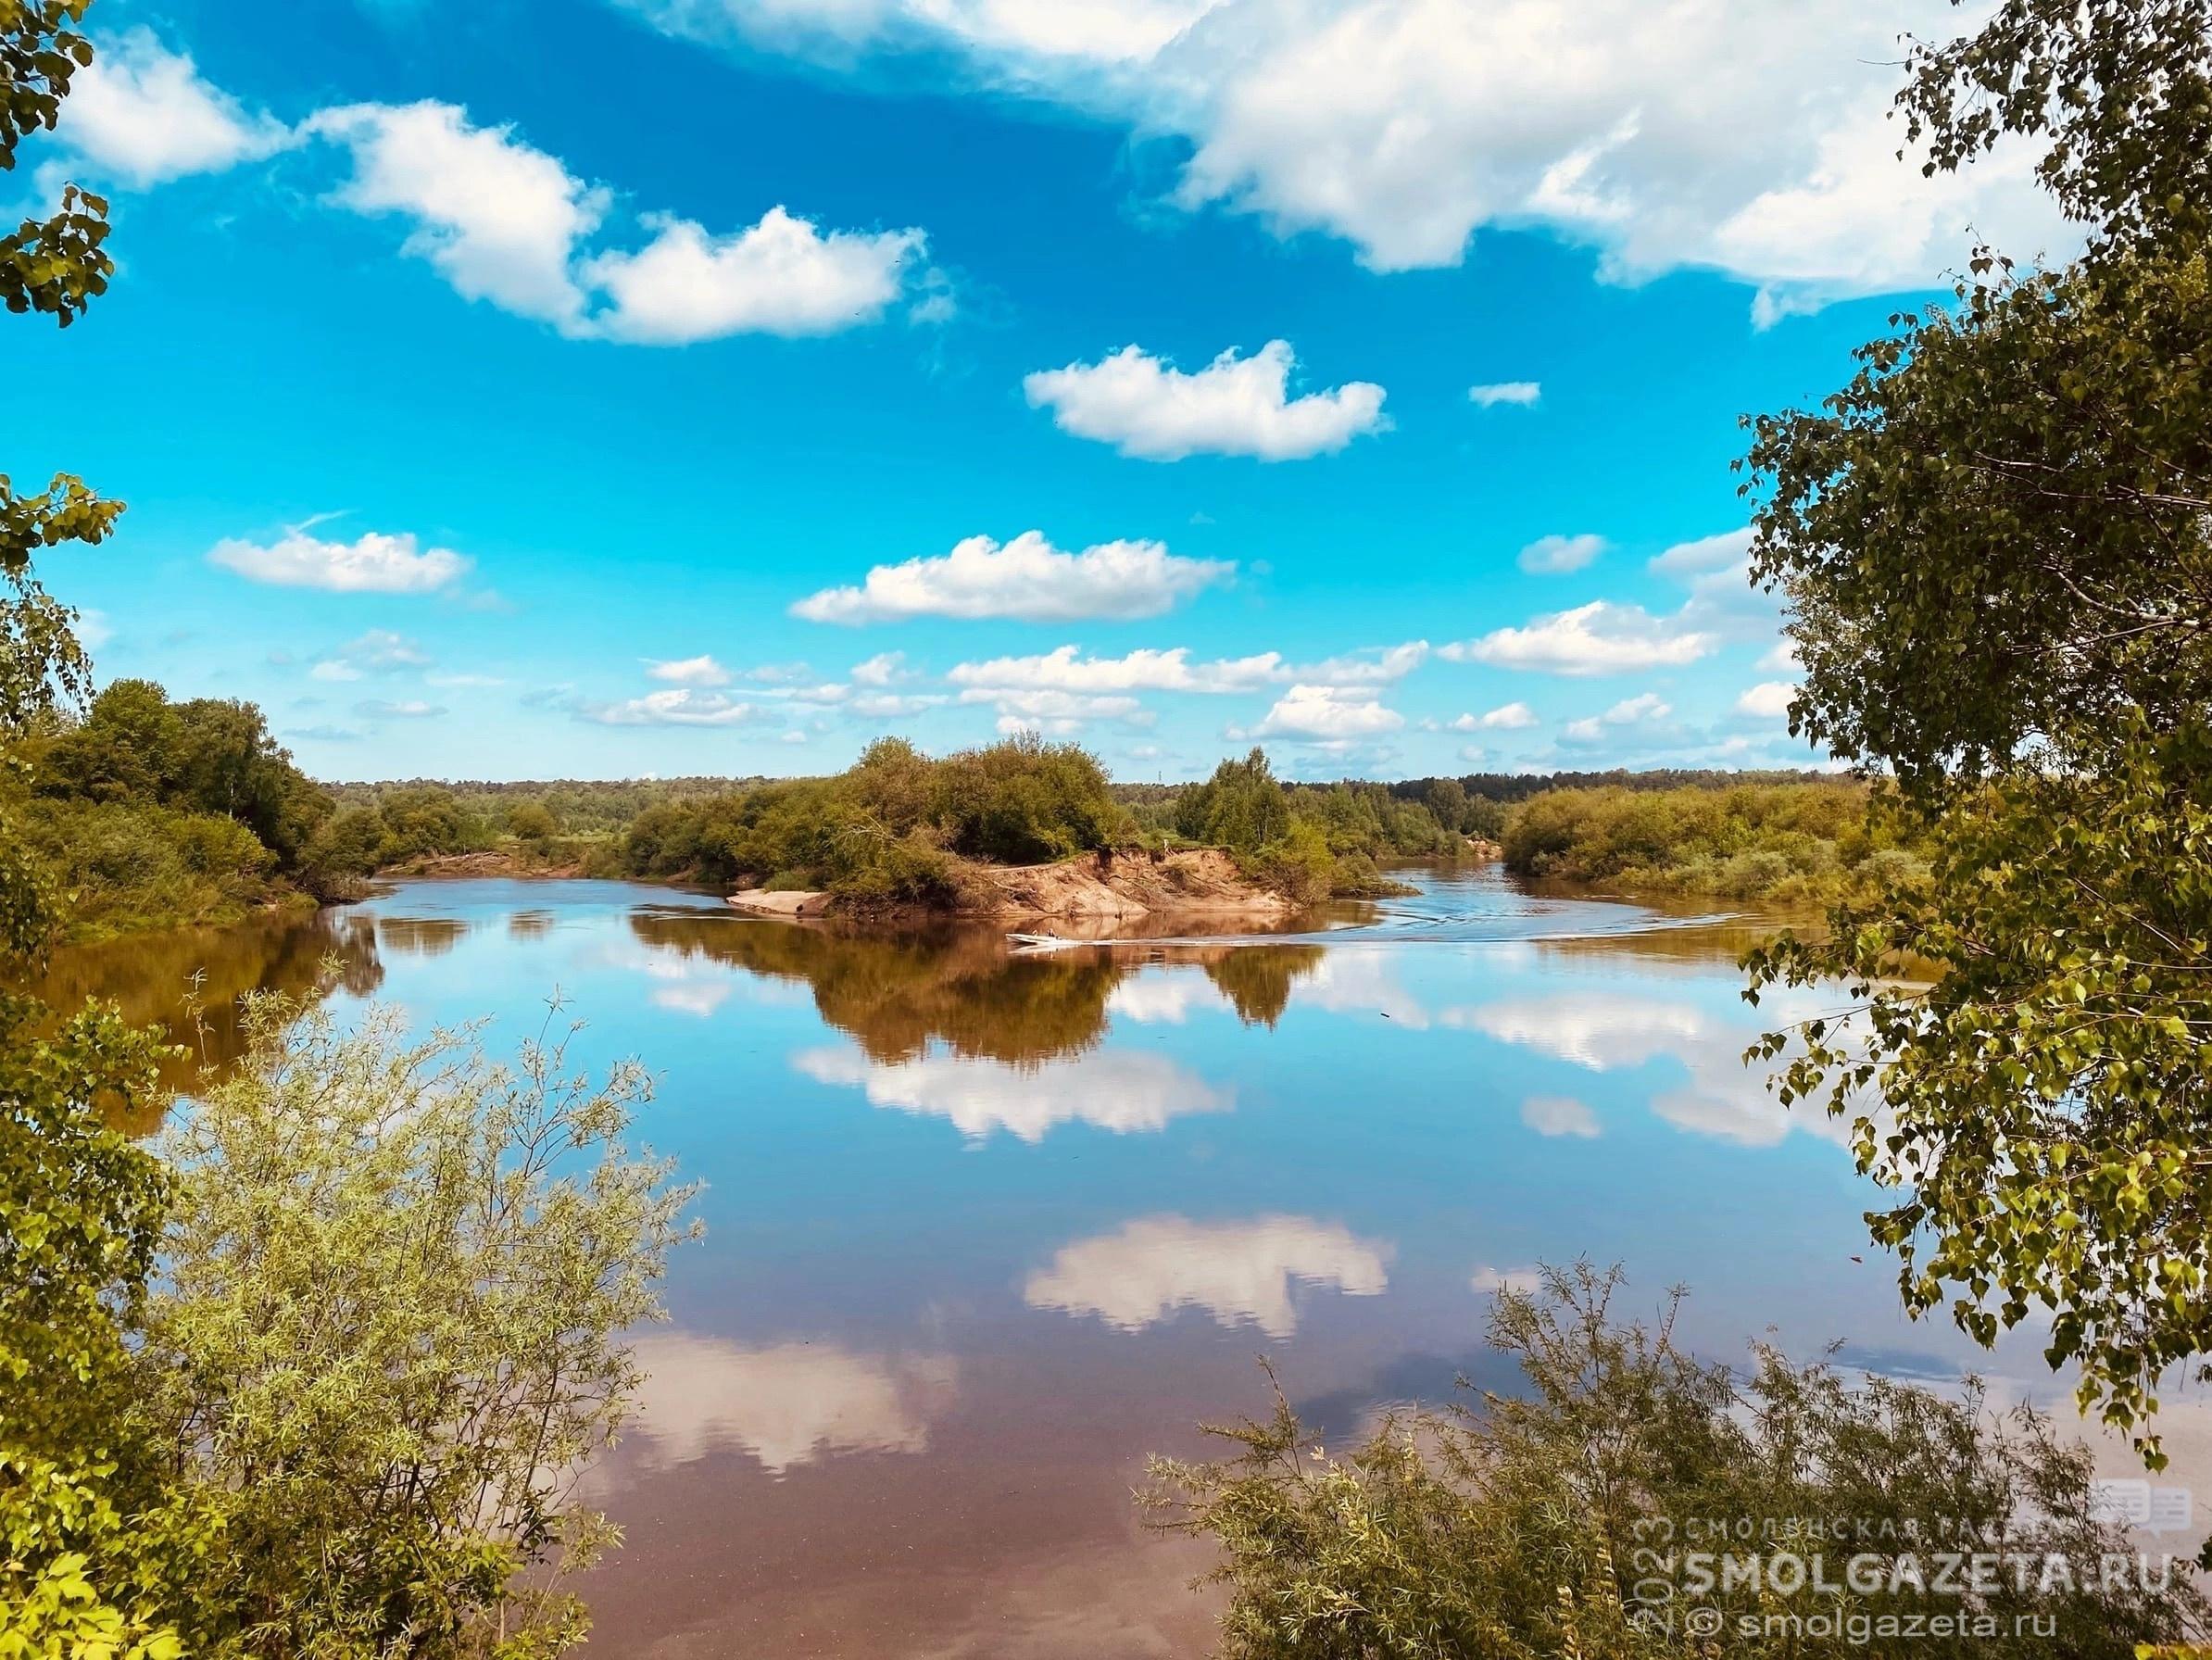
x=1192, y=885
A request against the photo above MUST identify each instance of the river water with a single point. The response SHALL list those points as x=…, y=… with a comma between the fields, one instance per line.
x=984, y=1231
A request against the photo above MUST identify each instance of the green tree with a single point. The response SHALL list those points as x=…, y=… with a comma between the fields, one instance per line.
x=1241, y=807
x=1996, y=543
x=390, y=1330
x=82, y=1535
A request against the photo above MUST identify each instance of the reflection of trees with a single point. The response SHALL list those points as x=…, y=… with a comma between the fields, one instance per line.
x=188, y=981
x=896, y=992
x=1257, y=978
x=530, y=924
x=421, y=936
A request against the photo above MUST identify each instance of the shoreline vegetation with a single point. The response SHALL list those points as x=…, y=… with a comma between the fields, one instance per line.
x=153, y=814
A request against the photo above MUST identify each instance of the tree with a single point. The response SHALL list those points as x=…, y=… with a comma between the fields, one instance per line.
x=1996, y=543
x=390, y=1329
x=1241, y=807
x=80, y=1206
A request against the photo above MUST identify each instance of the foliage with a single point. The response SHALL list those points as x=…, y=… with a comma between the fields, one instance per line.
x=1528, y=1527
x=1997, y=542
x=152, y=813
x=80, y=1206
x=1777, y=842
x=1307, y=842
x=2042, y=1101
x=892, y=829
x=397, y=1280
x=1021, y=801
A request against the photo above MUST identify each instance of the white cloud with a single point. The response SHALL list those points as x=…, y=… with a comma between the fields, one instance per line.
x=140, y=113
x=701, y=669
x=781, y=276
x=1782, y=656
x=785, y=1404
x=1064, y=711
x=508, y=224
x=1027, y=578
x=1234, y=407
x=1523, y=393
x=1149, y=670
x=1506, y=717
x=1710, y=136
x=1556, y=556
x=1238, y=1272
x=1559, y=1115
x=1330, y=714
x=412, y=709
x=892, y=706
x=499, y=220
x=370, y=564
x=1122, y=1092
x=1603, y=637
x=1768, y=700
x=1646, y=710
x=679, y=706
x=885, y=668
x=380, y=651
x=1706, y=553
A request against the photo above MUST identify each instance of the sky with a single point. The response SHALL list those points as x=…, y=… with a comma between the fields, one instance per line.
x=609, y=388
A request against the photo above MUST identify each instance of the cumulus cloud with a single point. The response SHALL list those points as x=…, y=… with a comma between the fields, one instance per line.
x=1644, y=711
x=781, y=276
x=380, y=651
x=499, y=220
x=1328, y=714
x=1769, y=700
x=1506, y=717
x=1728, y=549
x=1522, y=392
x=1238, y=1272
x=371, y=563
x=1149, y=669
x=505, y=222
x=885, y=668
x=140, y=113
x=1027, y=578
x=678, y=706
x=1060, y=712
x=1404, y=126
x=1556, y=556
x=386, y=708
x=1235, y=406
x=1603, y=637
x=701, y=669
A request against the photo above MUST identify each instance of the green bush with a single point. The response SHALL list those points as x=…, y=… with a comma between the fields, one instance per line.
x=1561, y=1521
x=1783, y=842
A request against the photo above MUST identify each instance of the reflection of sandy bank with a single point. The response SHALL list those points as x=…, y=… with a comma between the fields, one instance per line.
x=1121, y=1090
x=1235, y=1271
x=785, y=1404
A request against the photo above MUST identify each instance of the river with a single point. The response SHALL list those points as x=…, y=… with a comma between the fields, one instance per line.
x=984, y=1231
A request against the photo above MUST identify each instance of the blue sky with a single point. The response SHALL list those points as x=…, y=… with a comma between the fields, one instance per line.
x=607, y=387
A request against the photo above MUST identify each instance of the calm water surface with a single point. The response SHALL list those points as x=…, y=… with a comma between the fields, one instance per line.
x=984, y=1231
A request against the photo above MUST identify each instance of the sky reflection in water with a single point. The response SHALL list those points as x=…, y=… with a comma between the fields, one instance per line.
x=984, y=1231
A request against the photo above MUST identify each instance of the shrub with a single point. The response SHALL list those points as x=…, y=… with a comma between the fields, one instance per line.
x=397, y=1278
x=1546, y=1524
